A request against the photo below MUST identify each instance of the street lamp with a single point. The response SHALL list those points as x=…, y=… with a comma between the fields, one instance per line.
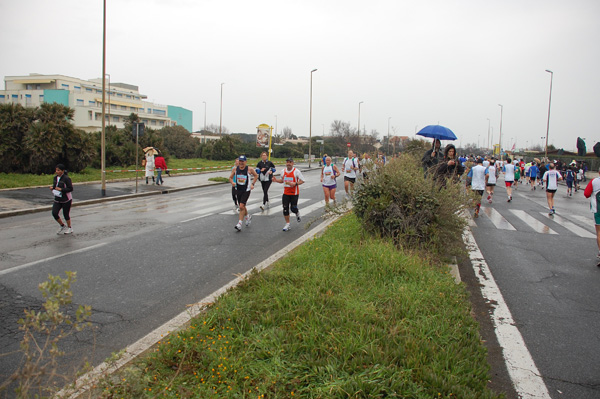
x=310, y=123
x=488, y=133
x=275, y=125
x=359, y=117
x=204, y=116
x=221, y=112
x=103, y=135
x=549, y=103
x=388, y=150
x=500, y=138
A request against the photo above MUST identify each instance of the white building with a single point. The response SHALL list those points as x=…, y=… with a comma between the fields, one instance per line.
x=85, y=97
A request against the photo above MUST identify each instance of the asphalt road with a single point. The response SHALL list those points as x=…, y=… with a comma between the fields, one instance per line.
x=546, y=269
x=140, y=261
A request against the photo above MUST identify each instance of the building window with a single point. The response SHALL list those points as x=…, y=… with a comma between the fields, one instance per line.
x=88, y=90
x=113, y=106
x=79, y=103
x=115, y=119
x=2, y=98
x=29, y=87
x=92, y=103
x=27, y=99
x=160, y=112
x=41, y=98
x=153, y=122
x=38, y=87
x=134, y=109
x=145, y=121
x=98, y=91
x=98, y=116
x=119, y=95
x=77, y=89
x=124, y=108
x=162, y=123
x=15, y=98
x=90, y=115
x=64, y=86
x=127, y=96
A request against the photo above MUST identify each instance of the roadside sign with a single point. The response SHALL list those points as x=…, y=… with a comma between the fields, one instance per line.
x=348, y=145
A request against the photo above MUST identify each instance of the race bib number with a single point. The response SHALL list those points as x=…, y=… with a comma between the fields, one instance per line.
x=242, y=179
x=287, y=181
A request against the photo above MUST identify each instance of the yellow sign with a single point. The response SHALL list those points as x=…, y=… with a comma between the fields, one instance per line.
x=263, y=137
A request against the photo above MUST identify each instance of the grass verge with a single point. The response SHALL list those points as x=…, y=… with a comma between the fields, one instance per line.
x=17, y=180
x=342, y=316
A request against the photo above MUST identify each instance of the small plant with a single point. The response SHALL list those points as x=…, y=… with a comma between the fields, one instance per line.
x=219, y=179
x=43, y=330
x=398, y=201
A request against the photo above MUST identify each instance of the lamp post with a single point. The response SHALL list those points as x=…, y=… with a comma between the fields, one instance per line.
x=488, y=133
x=221, y=112
x=549, y=103
x=500, y=138
x=204, y=116
x=310, y=123
x=103, y=138
x=275, y=125
x=388, y=150
x=359, y=117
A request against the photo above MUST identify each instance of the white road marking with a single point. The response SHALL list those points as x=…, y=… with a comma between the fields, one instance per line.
x=26, y=265
x=84, y=382
x=497, y=219
x=570, y=226
x=532, y=222
x=522, y=369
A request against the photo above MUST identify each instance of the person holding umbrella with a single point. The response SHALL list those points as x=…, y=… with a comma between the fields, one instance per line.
x=432, y=156
x=149, y=165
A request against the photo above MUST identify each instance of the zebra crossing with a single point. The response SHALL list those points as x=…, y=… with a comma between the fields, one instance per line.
x=537, y=222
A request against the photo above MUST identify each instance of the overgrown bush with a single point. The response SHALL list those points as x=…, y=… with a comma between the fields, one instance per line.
x=397, y=201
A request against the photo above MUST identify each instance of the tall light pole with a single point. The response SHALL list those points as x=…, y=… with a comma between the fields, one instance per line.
x=275, y=125
x=500, y=138
x=388, y=150
x=549, y=103
x=204, y=116
x=488, y=133
x=359, y=117
x=310, y=123
x=103, y=138
x=221, y=113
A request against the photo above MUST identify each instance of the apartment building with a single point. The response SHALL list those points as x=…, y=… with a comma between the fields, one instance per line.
x=85, y=97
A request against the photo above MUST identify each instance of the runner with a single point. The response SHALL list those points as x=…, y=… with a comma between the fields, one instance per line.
x=265, y=170
x=509, y=177
x=62, y=188
x=517, y=175
x=329, y=173
x=490, y=183
x=478, y=182
x=533, y=173
x=592, y=191
x=569, y=179
x=349, y=168
x=243, y=189
x=551, y=178
x=291, y=179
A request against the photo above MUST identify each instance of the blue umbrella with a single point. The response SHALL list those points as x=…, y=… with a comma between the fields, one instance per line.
x=437, y=132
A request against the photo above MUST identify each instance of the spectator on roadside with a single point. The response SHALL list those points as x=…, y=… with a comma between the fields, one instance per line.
x=450, y=167
x=432, y=156
x=160, y=165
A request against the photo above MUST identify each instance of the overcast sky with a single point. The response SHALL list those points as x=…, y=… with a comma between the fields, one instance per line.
x=419, y=62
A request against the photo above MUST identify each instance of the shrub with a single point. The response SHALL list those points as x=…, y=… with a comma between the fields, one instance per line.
x=397, y=201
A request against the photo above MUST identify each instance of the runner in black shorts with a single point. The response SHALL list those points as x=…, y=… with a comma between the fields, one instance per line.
x=243, y=189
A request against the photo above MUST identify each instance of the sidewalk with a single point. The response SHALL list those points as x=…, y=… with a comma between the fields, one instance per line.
x=20, y=201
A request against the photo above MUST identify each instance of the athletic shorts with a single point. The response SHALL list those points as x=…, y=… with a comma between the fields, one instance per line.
x=597, y=218
x=331, y=187
x=350, y=179
x=569, y=183
x=242, y=196
x=479, y=192
x=532, y=178
x=490, y=184
x=550, y=191
x=509, y=183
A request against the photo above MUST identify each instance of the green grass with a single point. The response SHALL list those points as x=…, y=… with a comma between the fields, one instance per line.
x=16, y=180
x=343, y=316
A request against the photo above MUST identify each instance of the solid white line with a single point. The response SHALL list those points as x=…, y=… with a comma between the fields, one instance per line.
x=26, y=265
x=84, y=382
x=522, y=369
x=196, y=218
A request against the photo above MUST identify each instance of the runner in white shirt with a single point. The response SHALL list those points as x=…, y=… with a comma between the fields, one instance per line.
x=490, y=181
x=477, y=175
x=349, y=168
x=509, y=177
x=551, y=178
x=328, y=175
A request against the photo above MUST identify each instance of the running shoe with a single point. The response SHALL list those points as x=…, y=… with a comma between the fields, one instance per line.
x=286, y=227
x=489, y=198
x=298, y=216
x=248, y=219
x=262, y=207
x=235, y=208
x=553, y=211
x=550, y=212
x=69, y=230
x=62, y=229
x=268, y=205
x=476, y=215
x=238, y=226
